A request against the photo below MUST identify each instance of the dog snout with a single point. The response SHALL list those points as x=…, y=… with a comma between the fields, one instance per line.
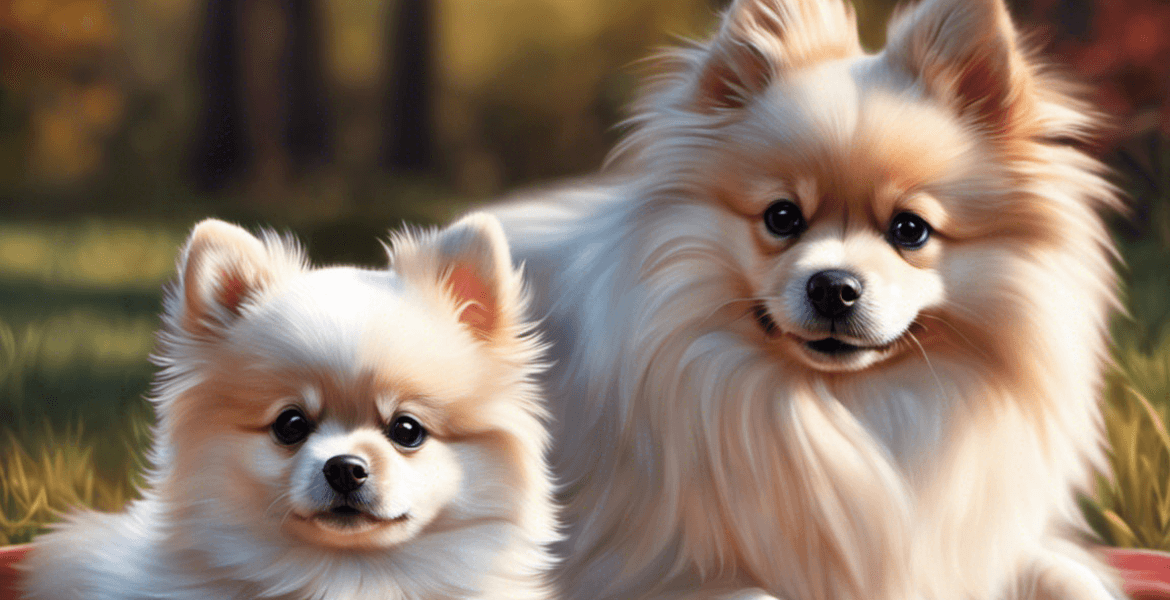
x=346, y=472
x=834, y=292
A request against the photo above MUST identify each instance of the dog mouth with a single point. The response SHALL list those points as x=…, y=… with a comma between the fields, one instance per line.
x=832, y=346
x=835, y=354
x=826, y=351
x=348, y=517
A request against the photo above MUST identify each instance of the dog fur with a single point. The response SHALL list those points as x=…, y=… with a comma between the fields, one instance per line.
x=703, y=449
x=229, y=511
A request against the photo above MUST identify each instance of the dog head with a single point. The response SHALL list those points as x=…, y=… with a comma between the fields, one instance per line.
x=876, y=206
x=348, y=408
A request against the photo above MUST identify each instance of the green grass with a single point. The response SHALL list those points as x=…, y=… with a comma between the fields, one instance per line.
x=38, y=488
x=78, y=306
x=78, y=310
x=1132, y=508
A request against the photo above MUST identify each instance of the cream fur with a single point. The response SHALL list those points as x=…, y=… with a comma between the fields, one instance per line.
x=249, y=330
x=702, y=457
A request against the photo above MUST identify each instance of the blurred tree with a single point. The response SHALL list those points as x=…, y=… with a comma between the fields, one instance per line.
x=407, y=122
x=264, y=114
x=220, y=149
x=309, y=122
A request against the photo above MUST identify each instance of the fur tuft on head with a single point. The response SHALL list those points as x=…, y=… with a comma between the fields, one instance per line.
x=761, y=40
x=470, y=265
x=223, y=268
x=966, y=53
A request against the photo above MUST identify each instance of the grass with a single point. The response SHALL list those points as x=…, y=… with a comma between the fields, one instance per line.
x=78, y=308
x=38, y=489
x=1132, y=508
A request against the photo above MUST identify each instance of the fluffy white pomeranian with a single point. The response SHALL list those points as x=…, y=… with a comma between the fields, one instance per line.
x=832, y=325
x=331, y=433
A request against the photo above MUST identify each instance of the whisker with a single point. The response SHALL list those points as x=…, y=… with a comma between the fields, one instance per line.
x=287, y=513
x=723, y=305
x=929, y=365
x=971, y=343
x=279, y=497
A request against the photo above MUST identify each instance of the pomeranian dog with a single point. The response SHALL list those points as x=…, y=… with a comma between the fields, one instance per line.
x=832, y=326
x=333, y=433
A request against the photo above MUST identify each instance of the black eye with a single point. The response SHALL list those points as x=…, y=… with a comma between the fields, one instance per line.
x=783, y=218
x=291, y=427
x=406, y=432
x=908, y=230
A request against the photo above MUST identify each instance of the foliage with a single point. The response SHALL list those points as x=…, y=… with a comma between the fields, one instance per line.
x=1132, y=506
x=36, y=489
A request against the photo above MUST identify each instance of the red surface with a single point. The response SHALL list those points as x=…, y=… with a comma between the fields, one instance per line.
x=9, y=556
x=1146, y=573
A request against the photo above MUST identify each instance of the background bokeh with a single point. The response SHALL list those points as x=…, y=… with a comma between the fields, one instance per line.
x=122, y=122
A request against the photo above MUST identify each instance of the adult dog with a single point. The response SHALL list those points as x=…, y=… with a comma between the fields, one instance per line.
x=832, y=325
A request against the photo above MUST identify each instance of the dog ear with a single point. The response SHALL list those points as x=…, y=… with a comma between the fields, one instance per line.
x=221, y=268
x=470, y=263
x=760, y=39
x=966, y=53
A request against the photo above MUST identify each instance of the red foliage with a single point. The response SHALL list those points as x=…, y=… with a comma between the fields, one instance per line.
x=1122, y=47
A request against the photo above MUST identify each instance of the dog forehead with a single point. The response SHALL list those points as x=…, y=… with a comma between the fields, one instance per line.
x=856, y=124
x=353, y=323
x=333, y=306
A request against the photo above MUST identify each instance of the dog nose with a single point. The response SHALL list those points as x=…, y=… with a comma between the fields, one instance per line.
x=346, y=472
x=834, y=292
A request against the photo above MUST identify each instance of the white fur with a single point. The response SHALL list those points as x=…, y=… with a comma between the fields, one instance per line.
x=352, y=348
x=701, y=459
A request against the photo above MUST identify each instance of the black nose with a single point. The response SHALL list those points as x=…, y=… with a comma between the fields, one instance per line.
x=834, y=292
x=346, y=472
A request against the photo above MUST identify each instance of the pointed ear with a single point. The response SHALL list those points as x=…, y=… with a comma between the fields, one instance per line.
x=222, y=267
x=966, y=53
x=759, y=40
x=470, y=264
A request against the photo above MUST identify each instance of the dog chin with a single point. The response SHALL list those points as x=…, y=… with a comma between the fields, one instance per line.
x=351, y=530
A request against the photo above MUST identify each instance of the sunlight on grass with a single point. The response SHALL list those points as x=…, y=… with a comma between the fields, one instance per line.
x=38, y=487
x=78, y=342
x=100, y=342
x=1132, y=508
x=88, y=255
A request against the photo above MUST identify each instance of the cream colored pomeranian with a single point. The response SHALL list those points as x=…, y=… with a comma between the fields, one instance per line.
x=832, y=326
x=331, y=433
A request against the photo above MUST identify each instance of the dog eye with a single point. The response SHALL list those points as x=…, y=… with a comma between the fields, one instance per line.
x=909, y=230
x=291, y=427
x=783, y=218
x=407, y=432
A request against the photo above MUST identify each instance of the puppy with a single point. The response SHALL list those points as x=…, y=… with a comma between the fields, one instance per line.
x=832, y=325
x=331, y=433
